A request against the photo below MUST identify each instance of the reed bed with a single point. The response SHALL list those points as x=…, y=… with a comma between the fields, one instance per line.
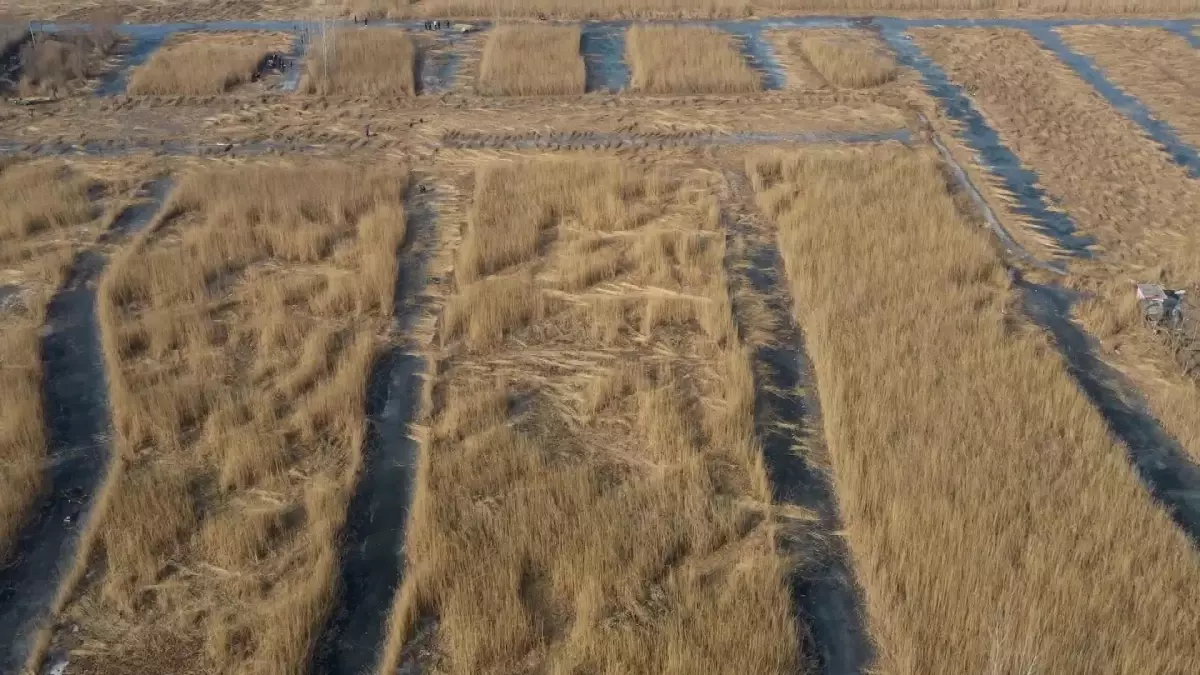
x=966, y=462
x=58, y=64
x=605, y=9
x=238, y=334
x=1081, y=147
x=1155, y=65
x=375, y=62
x=206, y=63
x=45, y=203
x=674, y=60
x=532, y=60
x=590, y=494
x=850, y=59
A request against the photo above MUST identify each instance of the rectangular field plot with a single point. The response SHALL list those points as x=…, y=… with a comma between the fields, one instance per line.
x=206, y=63
x=48, y=210
x=674, y=60
x=238, y=336
x=850, y=59
x=994, y=523
x=59, y=64
x=591, y=496
x=367, y=62
x=1117, y=185
x=531, y=60
x=1159, y=67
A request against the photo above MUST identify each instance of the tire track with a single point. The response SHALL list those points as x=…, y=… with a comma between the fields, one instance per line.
x=825, y=594
x=76, y=413
x=372, y=557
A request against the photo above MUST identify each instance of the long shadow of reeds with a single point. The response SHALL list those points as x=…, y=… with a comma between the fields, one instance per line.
x=824, y=593
x=1130, y=106
x=75, y=406
x=372, y=556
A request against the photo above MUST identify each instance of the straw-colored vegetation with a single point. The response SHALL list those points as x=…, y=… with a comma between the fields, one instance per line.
x=1156, y=65
x=238, y=335
x=590, y=494
x=1116, y=184
x=688, y=60
x=995, y=525
x=55, y=64
x=741, y=8
x=374, y=62
x=532, y=60
x=845, y=58
x=43, y=203
x=206, y=63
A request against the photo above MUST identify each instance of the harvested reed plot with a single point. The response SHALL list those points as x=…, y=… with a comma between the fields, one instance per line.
x=238, y=335
x=674, y=60
x=978, y=470
x=1156, y=65
x=591, y=496
x=367, y=62
x=47, y=209
x=206, y=63
x=531, y=60
x=1117, y=185
x=850, y=59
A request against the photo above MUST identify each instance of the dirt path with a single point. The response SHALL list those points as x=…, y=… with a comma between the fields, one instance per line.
x=77, y=420
x=824, y=591
x=372, y=557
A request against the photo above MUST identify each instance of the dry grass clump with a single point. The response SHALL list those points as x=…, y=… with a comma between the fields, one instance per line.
x=590, y=497
x=54, y=64
x=531, y=60
x=238, y=335
x=375, y=62
x=675, y=60
x=977, y=469
x=43, y=203
x=1081, y=147
x=206, y=63
x=1155, y=65
x=846, y=58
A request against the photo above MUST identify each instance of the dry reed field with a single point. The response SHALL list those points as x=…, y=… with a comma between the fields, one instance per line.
x=590, y=496
x=1117, y=185
x=995, y=525
x=1155, y=65
x=375, y=62
x=687, y=60
x=56, y=65
x=206, y=63
x=851, y=59
x=741, y=8
x=238, y=334
x=47, y=206
x=532, y=60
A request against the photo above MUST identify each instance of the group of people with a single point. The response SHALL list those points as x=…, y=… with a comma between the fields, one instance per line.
x=436, y=25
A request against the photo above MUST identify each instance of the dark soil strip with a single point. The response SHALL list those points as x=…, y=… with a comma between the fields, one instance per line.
x=120, y=148
x=372, y=558
x=760, y=55
x=603, y=49
x=1167, y=471
x=824, y=592
x=985, y=142
x=75, y=400
x=1158, y=131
